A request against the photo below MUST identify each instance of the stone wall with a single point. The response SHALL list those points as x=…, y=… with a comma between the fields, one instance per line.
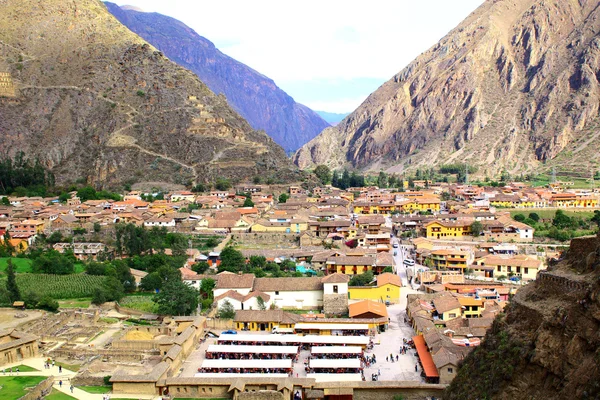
x=391, y=393
x=42, y=389
x=335, y=304
x=261, y=395
x=276, y=240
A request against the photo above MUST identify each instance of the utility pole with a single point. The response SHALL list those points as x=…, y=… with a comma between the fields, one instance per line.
x=553, y=174
x=466, y=173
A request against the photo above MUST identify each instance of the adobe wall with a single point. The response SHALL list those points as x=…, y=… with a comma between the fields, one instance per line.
x=42, y=389
x=390, y=393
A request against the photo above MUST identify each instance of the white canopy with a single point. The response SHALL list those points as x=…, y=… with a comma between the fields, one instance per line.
x=247, y=364
x=225, y=348
x=335, y=377
x=335, y=350
x=308, y=339
x=335, y=327
x=233, y=375
x=335, y=363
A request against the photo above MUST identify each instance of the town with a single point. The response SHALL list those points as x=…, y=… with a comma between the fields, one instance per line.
x=322, y=288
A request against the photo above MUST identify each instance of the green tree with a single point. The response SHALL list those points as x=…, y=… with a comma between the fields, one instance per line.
x=534, y=216
x=53, y=262
x=476, y=228
x=361, y=279
x=113, y=289
x=55, y=237
x=226, y=311
x=176, y=298
x=200, y=267
x=561, y=220
x=382, y=180
x=48, y=303
x=222, y=184
x=260, y=303
x=258, y=262
x=323, y=173
x=206, y=288
x=11, y=282
x=151, y=282
x=248, y=202
x=283, y=197
x=97, y=227
x=98, y=297
x=5, y=201
x=388, y=269
x=232, y=260
x=519, y=217
x=31, y=299
x=595, y=218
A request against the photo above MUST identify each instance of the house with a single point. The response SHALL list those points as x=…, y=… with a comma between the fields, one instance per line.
x=264, y=320
x=450, y=259
x=292, y=226
x=387, y=289
x=522, y=265
x=160, y=222
x=16, y=346
x=447, y=307
x=447, y=230
x=367, y=309
x=29, y=226
x=183, y=196
x=82, y=251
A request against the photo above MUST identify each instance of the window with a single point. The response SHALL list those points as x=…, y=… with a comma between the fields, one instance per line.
x=509, y=268
x=335, y=288
x=518, y=270
x=453, y=315
x=499, y=268
x=277, y=292
x=388, y=289
x=526, y=270
x=450, y=370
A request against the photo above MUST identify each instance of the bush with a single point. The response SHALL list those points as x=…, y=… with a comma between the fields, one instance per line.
x=31, y=299
x=98, y=297
x=226, y=311
x=207, y=304
x=107, y=380
x=48, y=303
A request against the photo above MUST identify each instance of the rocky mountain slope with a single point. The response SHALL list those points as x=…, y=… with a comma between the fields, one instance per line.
x=254, y=96
x=547, y=346
x=515, y=86
x=93, y=100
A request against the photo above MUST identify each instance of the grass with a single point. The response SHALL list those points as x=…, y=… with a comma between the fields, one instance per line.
x=549, y=214
x=83, y=302
x=108, y=320
x=58, y=395
x=70, y=367
x=96, y=389
x=79, y=268
x=26, y=368
x=22, y=265
x=74, y=286
x=14, y=387
x=141, y=303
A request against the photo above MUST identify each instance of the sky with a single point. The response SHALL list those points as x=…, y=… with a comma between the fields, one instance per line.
x=329, y=54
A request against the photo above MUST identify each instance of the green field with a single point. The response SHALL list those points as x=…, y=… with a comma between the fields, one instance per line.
x=14, y=387
x=58, y=395
x=60, y=286
x=22, y=265
x=141, y=303
x=96, y=389
x=84, y=302
x=25, y=368
x=549, y=214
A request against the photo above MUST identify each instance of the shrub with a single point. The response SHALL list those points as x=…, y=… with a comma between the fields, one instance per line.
x=48, y=303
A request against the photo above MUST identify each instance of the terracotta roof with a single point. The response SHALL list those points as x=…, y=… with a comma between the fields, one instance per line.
x=388, y=278
x=287, y=284
x=336, y=278
x=367, y=306
x=265, y=316
x=234, y=281
x=231, y=294
x=425, y=357
x=445, y=302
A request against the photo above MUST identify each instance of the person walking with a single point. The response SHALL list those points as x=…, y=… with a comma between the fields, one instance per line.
x=416, y=368
x=71, y=388
x=60, y=383
x=60, y=369
x=17, y=369
x=378, y=371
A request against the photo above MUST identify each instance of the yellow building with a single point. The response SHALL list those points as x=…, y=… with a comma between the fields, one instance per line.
x=450, y=259
x=447, y=307
x=387, y=289
x=425, y=203
x=293, y=226
x=264, y=320
x=447, y=230
x=471, y=307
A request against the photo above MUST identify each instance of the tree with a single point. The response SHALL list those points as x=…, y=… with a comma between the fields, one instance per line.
x=534, y=216
x=206, y=288
x=113, y=289
x=98, y=297
x=97, y=227
x=48, y=303
x=323, y=173
x=176, y=298
x=231, y=260
x=31, y=299
x=11, y=282
x=382, y=180
x=55, y=237
x=519, y=217
x=388, y=269
x=248, y=202
x=260, y=303
x=151, y=282
x=283, y=197
x=361, y=279
x=53, y=262
x=5, y=201
x=200, y=267
x=226, y=311
x=222, y=184
x=561, y=220
x=258, y=262
x=595, y=218
x=476, y=228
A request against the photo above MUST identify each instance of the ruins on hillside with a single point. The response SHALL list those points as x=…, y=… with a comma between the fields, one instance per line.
x=7, y=85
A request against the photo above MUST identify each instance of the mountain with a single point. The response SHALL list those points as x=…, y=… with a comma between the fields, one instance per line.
x=546, y=346
x=332, y=118
x=93, y=100
x=515, y=86
x=254, y=96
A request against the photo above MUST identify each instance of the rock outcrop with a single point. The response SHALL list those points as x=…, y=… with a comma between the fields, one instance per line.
x=547, y=346
x=515, y=86
x=256, y=97
x=95, y=101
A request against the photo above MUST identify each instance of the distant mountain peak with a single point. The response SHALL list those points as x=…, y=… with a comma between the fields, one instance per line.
x=131, y=8
x=256, y=97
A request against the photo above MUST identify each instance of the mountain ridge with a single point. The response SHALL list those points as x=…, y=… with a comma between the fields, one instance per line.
x=255, y=96
x=501, y=91
x=92, y=100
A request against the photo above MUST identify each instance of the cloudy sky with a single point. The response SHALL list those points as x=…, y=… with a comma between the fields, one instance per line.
x=328, y=54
